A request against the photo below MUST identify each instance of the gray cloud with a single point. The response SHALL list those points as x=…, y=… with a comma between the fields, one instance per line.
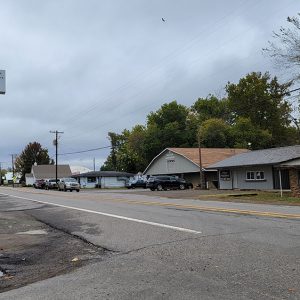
x=89, y=67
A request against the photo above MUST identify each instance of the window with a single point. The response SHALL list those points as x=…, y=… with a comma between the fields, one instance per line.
x=91, y=179
x=250, y=175
x=260, y=175
x=255, y=175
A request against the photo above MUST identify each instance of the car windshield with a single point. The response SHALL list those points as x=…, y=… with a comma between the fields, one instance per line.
x=70, y=179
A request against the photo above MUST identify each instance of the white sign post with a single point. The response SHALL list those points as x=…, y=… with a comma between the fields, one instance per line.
x=2, y=81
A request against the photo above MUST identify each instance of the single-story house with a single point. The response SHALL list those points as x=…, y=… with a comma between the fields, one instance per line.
x=267, y=169
x=185, y=163
x=47, y=172
x=103, y=179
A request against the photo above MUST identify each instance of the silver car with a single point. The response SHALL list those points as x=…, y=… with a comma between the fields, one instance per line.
x=70, y=184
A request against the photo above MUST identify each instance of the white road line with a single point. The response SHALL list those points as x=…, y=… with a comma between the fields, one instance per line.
x=111, y=215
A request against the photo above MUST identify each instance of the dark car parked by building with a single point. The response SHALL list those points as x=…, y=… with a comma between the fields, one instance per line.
x=167, y=182
x=136, y=183
x=39, y=184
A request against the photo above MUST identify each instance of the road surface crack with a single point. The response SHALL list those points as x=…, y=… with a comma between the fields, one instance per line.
x=105, y=249
x=184, y=240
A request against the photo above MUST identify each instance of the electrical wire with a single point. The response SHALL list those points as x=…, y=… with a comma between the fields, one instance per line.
x=84, y=151
x=70, y=120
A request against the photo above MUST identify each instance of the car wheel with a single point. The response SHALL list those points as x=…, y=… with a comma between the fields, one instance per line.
x=181, y=187
x=65, y=189
x=77, y=191
x=159, y=187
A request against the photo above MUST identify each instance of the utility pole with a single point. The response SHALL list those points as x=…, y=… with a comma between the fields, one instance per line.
x=94, y=164
x=55, y=142
x=202, y=187
x=13, y=169
x=1, y=162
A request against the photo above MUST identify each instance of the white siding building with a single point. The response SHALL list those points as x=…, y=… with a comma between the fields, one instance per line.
x=103, y=179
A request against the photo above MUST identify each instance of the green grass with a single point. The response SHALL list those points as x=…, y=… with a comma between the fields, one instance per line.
x=262, y=197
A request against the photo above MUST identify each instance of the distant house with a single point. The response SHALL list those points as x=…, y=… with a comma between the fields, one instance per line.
x=185, y=163
x=103, y=179
x=266, y=169
x=47, y=172
x=9, y=177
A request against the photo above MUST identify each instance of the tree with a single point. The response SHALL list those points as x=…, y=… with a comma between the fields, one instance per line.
x=32, y=153
x=111, y=163
x=214, y=133
x=260, y=98
x=245, y=135
x=211, y=107
x=125, y=154
x=285, y=49
x=167, y=127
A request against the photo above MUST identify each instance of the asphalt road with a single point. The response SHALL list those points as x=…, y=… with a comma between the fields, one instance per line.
x=163, y=248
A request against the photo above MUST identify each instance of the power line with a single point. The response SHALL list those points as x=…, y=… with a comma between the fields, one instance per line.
x=173, y=54
x=83, y=151
x=165, y=60
x=288, y=92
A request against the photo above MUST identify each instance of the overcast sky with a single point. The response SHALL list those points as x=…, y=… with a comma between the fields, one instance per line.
x=87, y=67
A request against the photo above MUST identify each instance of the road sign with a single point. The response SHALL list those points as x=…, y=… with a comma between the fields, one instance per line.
x=2, y=81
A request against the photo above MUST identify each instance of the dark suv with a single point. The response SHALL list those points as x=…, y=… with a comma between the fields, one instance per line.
x=167, y=182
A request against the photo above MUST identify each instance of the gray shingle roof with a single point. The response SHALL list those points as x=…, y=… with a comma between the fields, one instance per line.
x=48, y=171
x=260, y=157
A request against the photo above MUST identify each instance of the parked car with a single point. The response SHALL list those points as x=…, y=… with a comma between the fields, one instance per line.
x=136, y=183
x=70, y=184
x=167, y=182
x=39, y=184
x=50, y=184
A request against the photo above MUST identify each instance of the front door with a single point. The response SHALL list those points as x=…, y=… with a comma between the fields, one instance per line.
x=285, y=179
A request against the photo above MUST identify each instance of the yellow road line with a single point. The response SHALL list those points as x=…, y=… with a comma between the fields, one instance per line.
x=209, y=208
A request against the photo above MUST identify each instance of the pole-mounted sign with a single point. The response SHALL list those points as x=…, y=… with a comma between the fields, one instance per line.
x=2, y=81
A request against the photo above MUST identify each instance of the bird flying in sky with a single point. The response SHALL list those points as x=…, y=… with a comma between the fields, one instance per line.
x=163, y=19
